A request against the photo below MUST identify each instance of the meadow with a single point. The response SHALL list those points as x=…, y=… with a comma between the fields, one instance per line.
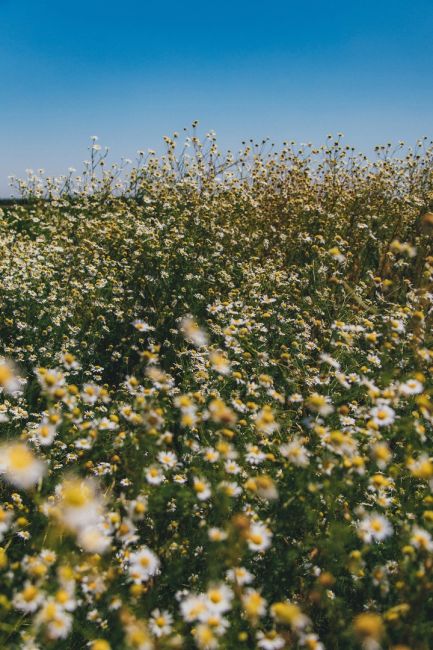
x=217, y=401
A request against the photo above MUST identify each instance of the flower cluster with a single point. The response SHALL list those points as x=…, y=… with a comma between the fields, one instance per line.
x=216, y=402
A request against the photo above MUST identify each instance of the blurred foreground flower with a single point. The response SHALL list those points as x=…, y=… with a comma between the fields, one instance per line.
x=20, y=466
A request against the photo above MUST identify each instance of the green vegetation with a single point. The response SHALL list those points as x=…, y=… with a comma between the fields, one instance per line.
x=217, y=402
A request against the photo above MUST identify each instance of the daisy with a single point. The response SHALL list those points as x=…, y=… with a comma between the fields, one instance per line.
x=202, y=489
x=381, y=454
x=215, y=621
x=57, y=622
x=167, y=459
x=265, y=421
x=205, y=638
x=240, y=575
x=382, y=415
x=296, y=453
x=219, y=598
x=9, y=380
x=421, y=539
x=154, y=476
x=217, y=534
x=375, y=527
x=192, y=607
x=69, y=361
x=29, y=599
x=290, y=614
x=220, y=363
x=253, y=603
x=270, y=640
x=312, y=642
x=51, y=381
x=411, y=387
x=254, y=455
x=230, y=488
x=160, y=622
x=90, y=393
x=232, y=467
x=258, y=538
x=79, y=504
x=143, y=564
x=19, y=466
x=211, y=455
x=142, y=326
x=320, y=404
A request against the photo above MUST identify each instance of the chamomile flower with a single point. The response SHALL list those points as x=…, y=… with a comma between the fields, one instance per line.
x=219, y=598
x=270, y=640
x=411, y=387
x=154, y=475
x=46, y=432
x=296, y=453
x=421, y=539
x=20, y=466
x=160, y=623
x=240, y=575
x=167, y=459
x=382, y=415
x=374, y=527
x=142, y=326
x=201, y=488
x=258, y=538
x=253, y=603
x=29, y=599
x=10, y=381
x=143, y=564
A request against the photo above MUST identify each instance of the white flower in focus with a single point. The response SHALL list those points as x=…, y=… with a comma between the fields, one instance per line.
x=160, y=623
x=46, y=432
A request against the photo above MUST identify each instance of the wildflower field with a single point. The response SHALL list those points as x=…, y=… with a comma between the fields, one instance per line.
x=216, y=401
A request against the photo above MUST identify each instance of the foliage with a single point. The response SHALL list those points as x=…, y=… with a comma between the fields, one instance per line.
x=217, y=401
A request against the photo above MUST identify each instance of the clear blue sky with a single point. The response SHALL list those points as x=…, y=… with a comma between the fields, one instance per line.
x=135, y=70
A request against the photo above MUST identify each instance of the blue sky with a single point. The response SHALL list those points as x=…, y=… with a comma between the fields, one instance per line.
x=133, y=71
